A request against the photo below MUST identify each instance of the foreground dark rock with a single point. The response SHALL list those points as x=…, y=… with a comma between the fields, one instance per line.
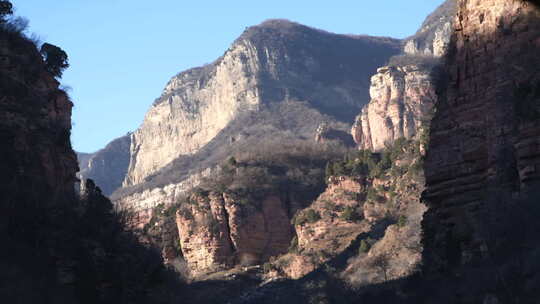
x=58, y=247
x=483, y=157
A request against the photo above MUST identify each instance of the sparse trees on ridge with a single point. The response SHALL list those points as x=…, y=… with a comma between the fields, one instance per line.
x=56, y=60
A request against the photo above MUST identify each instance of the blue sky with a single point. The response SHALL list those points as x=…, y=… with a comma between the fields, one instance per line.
x=123, y=52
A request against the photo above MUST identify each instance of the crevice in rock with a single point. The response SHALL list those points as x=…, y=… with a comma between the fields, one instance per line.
x=227, y=222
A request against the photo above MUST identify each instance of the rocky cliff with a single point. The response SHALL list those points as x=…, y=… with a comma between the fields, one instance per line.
x=258, y=210
x=241, y=213
x=277, y=126
x=434, y=35
x=402, y=98
x=322, y=230
x=108, y=166
x=58, y=247
x=275, y=62
x=483, y=156
x=270, y=121
x=480, y=230
x=218, y=232
x=403, y=92
x=35, y=124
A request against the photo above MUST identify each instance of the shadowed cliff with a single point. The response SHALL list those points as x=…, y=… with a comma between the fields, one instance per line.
x=58, y=247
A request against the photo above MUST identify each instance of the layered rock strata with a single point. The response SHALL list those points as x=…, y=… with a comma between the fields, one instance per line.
x=483, y=156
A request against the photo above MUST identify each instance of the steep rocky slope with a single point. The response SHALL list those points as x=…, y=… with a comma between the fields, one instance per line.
x=434, y=35
x=278, y=66
x=370, y=211
x=278, y=125
x=483, y=157
x=241, y=215
x=35, y=125
x=374, y=218
x=262, y=208
x=108, y=166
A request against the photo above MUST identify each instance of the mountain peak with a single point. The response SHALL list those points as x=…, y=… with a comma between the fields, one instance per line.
x=286, y=27
x=279, y=23
x=275, y=27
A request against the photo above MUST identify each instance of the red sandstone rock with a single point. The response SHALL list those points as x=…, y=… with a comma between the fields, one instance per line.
x=219, y=232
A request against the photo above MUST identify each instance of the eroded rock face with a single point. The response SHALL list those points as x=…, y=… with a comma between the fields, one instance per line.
x=269, y=63
x=483, y=156
x=262, y=234
x=218, y=232
x=195, y=106
x=401, y=99
x=204, y=235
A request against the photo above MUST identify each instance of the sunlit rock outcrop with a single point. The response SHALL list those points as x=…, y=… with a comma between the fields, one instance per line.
x=402, y=98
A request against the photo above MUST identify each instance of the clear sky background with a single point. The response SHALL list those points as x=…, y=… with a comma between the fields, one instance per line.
x=123, y=52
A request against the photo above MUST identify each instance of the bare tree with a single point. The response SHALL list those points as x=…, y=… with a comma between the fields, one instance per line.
x=381, y=262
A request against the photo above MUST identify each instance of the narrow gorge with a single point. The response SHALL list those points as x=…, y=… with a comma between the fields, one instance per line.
x=301, y=166
x=268, y=205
